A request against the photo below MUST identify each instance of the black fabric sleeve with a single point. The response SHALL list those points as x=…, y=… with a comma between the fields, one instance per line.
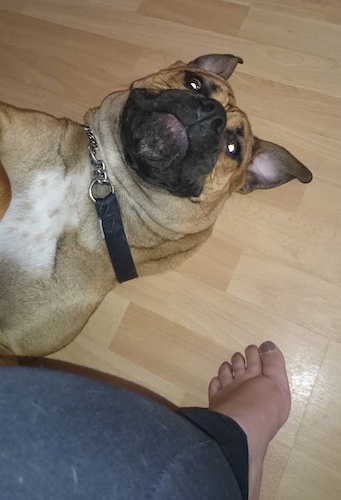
x=230, y=437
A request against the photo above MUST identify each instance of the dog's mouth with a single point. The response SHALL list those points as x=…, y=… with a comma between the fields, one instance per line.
x=172, y=138
x=160, y=137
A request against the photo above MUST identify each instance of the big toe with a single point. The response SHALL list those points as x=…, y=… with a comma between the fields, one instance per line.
x=273, y=363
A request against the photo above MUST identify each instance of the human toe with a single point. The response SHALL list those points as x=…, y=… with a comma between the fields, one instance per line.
x=238, y=364
x=253, y=360
x=225, y=373
x=273, y=363
x=214, y=387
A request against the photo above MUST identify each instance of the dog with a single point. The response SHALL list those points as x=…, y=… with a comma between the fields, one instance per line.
x=151, y=172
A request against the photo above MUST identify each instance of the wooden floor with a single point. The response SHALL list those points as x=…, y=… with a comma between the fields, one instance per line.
x=273, y=266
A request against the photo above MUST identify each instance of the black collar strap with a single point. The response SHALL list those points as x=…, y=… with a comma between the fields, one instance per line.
x=110, y=219
x=109, y=216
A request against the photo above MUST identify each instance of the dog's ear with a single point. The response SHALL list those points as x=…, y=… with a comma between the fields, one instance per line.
x=271, y=165
x=220, y=64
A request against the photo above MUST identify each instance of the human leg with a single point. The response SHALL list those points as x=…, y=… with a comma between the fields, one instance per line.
x=66, y=437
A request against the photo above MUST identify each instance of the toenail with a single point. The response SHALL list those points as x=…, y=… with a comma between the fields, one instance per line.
x=267, y=347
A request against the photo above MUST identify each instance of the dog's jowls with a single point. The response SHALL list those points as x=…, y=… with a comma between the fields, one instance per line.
x=174, y=144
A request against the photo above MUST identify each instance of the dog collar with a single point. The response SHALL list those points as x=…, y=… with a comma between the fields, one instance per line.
x=109, y=216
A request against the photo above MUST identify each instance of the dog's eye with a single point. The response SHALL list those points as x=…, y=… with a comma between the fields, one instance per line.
x=232, y=149
x=195, y=84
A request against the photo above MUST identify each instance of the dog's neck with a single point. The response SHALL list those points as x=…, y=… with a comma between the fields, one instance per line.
x=109, y=216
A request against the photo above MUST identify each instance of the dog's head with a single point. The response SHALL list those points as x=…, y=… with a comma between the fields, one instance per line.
x=182, y=131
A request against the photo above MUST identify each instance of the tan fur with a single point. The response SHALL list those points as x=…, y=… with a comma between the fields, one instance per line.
x=44, y=307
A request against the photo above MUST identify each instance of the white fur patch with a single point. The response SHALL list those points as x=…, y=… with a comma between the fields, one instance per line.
x=37, y=217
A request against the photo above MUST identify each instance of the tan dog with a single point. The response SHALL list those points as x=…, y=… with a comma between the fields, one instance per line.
x=173, y=147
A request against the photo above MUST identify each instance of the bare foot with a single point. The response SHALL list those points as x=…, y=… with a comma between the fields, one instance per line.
x=254, y=391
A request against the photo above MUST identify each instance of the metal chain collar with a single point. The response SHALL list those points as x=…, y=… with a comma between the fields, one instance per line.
x=109, y=216
x=99, y=169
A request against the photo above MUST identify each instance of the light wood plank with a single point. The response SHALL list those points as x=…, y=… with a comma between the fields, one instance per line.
x=305, y=478
x=328, y=10
x=292, y=32
x=227, y=19
x=272, y=268
x=287, y=291
x=322, y=414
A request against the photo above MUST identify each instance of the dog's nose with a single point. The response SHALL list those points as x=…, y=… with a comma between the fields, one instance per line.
x=211, y=111
x=190, y=109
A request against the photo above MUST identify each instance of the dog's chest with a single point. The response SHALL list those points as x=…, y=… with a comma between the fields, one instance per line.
x=37, y=217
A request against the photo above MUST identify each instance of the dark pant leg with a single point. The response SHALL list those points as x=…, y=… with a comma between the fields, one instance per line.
x=231, y=439
x=67, y=437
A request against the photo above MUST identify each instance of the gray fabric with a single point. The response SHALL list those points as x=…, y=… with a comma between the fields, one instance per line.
x=67, y=437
